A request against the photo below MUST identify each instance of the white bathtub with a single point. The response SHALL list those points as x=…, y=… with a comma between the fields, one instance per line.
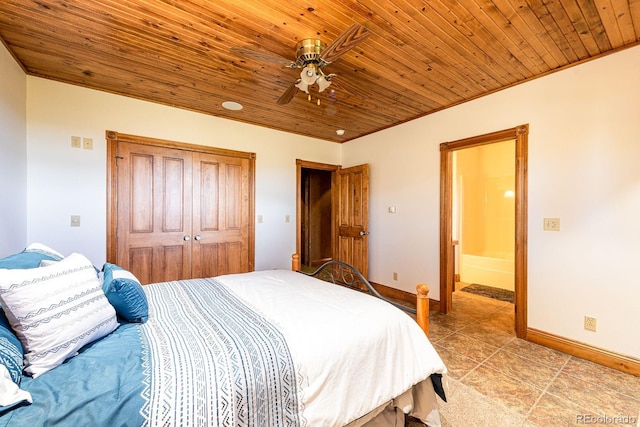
x=487, y=270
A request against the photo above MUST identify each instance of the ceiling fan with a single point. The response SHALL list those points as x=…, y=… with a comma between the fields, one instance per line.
x=312, y=55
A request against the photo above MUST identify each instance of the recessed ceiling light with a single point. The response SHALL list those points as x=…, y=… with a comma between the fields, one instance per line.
x=231, y=105
x=340, y=132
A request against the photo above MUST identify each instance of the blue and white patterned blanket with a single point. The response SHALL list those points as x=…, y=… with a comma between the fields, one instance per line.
x=203, y=359
x=216, y=361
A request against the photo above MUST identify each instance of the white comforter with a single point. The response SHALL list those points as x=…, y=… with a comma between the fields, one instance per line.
x=353, y=352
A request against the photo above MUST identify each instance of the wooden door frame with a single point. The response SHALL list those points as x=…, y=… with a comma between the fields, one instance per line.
x=112, y=202
x=303, y=164
x=520, y=134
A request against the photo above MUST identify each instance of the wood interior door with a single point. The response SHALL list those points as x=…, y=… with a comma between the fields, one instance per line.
x=154, y=212
x=220, y=215
x=177, y=211
x=353, y=217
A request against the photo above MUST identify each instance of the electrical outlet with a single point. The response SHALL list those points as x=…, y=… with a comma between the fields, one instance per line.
x=552, y=224
x=87, y=143
x=590, y=323
x=395, y=276
x=287, y=218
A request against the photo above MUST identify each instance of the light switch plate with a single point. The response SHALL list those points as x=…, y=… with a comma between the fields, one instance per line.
x=75, y=220
x=87, y=143
x=552, y=224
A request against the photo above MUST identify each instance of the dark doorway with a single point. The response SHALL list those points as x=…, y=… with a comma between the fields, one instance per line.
x=316, y=217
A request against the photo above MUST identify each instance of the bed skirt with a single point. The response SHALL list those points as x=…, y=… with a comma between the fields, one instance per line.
x=419, y=402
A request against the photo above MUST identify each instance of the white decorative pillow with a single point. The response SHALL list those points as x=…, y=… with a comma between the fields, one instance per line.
x=55, y=310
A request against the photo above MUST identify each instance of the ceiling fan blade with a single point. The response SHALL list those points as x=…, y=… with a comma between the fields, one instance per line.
x=347, y=40
x=288, y=95
x=260, y=55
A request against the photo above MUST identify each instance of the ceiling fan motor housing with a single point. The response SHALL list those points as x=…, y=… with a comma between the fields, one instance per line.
x=308, y=51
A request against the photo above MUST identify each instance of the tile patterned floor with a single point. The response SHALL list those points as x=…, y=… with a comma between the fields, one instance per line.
x=496, y=379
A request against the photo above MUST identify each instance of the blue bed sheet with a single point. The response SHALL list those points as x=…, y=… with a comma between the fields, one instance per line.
x=101, y=388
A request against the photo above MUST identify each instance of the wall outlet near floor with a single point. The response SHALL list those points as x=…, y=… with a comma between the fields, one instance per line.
x=395, y=276
x=590, y=323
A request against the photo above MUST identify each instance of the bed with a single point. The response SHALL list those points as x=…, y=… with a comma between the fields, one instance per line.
x=266, y=348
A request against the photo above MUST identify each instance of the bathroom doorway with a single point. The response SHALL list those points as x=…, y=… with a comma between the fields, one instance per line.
x=484, y=219
x=447, y=242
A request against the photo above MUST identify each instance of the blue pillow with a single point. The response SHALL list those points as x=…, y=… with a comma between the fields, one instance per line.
x=124, y=292
x=30, y=257
x=11, y=351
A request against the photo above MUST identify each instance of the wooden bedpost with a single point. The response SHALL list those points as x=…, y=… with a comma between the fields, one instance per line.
x=295, y=262
x=422, y=307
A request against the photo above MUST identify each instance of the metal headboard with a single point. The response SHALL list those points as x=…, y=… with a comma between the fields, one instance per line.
x=343, y=274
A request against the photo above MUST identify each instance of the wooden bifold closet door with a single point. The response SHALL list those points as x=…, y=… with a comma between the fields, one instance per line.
x=179, y=211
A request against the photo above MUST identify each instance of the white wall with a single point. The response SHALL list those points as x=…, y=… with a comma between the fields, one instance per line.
x=13, y=155
x=65, y=181
x=584, y=168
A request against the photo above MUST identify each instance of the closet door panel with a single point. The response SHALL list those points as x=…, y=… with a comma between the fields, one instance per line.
x=220, y=215
x=174, y=200
x=141, y=183
x=207, y=190
x=154, y=212
x=140, y=263
x=172, y=263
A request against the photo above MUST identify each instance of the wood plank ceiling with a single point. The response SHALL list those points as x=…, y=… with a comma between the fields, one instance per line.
x=420, y=56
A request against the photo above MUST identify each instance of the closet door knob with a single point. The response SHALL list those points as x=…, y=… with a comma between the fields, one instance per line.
x=186, y=238
x=197, y=237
